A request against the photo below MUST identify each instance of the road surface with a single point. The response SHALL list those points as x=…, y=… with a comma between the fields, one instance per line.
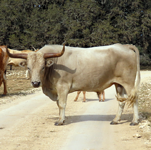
x=28, y=124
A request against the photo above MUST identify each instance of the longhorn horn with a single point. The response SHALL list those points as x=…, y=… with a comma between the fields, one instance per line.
x=34, y=48
x=17, y=55
x=50, y=55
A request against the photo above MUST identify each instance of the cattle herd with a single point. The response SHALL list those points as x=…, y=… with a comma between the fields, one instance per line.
x=61, y=70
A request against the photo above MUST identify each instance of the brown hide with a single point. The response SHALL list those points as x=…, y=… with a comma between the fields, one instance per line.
x=3, y=64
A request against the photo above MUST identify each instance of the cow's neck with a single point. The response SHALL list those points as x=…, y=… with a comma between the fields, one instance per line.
x=50, y=75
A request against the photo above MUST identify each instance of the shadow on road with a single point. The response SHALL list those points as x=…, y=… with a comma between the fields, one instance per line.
x=89, y=100
x=85, y=118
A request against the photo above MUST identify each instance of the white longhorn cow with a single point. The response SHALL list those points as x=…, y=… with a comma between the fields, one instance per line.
x=80, y=69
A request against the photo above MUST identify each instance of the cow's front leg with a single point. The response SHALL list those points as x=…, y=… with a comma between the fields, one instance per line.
x=61, y=102
x=61, y=105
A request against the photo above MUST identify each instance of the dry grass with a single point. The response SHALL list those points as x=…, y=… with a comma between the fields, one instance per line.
x=145, y=110
x=145, y=100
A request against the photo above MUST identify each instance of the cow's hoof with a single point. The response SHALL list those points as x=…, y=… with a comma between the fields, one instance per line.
x=113, y=123
x=99, y=100
x=58, y=123
x=134, y=123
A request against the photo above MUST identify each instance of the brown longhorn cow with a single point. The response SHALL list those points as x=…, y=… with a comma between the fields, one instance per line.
x=3, y=65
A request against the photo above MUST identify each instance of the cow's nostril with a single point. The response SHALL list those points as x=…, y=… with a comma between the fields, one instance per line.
x=36, y=84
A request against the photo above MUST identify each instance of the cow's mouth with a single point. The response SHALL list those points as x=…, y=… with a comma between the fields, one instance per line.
x=35, y=84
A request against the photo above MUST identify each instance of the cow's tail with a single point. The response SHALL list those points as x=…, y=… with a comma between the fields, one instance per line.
x=131, y=99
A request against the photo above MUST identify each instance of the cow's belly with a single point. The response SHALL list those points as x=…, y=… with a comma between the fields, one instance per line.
x=91, y=85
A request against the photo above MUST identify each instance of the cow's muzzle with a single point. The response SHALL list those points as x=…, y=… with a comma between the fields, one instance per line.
x=35, y=84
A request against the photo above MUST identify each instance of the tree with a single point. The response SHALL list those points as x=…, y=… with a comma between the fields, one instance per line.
x=84, y=23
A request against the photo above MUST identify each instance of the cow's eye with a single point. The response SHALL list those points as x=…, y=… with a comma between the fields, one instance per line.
x=28, y=68
x=43, y=68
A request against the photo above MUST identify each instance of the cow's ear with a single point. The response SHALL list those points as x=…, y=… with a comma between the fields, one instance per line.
x=22, y=64
x=49, y=63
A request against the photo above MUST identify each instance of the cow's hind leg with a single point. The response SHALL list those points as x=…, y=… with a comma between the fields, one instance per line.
x=61, y=102
x=78, y=93
x=99, y=95
x=121, y=91
x=135, y=120
x=84, y=96
x=103, y=93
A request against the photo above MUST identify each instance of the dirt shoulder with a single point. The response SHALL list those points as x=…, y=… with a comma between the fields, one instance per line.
x=144, y=106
